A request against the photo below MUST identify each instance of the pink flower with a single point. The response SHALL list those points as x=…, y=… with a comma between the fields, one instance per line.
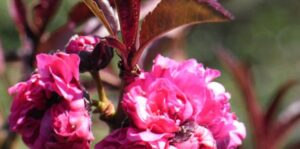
x=82, y=43
x=157, y=104
x=60, y=73
x=174, y=94
x=193, y=136
x=28, y=108
x=131, y=138
x=71, y=123
x=49, y=110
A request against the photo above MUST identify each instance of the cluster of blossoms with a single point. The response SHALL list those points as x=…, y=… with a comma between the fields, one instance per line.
x=50, y=109
x=174, y=106
x=177, y=106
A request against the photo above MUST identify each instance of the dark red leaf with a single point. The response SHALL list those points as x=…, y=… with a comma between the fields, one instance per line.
x=170, y=14
x=115, y=43
x=43, y=12
x=57, y=39
x=289, y=118
x=172, y=43
x=79, y=13
x=147, y=7
x=119, y=46
x=109, y=14
x=276, y=100
x=129, y=11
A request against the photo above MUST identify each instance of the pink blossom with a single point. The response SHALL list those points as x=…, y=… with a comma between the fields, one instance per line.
x=71, y=123
x=49, y=110
x=131, y=138
x=60, y=73
x=162, y=109
x=173, y=94
x=193, y=136
x=82, y=43
x=28, y=108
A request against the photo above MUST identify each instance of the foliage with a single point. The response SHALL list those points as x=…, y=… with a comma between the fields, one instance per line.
x=32, y=23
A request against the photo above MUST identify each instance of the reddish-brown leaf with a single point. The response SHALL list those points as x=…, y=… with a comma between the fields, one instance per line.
x=57, y=39
x=43, y=12
x=288, y=119
x=276, y=100
x=108, y=12
x=115, y=43
x=79, y=13
x=147, y=7
x=173, y=43
x=129, y=11
x=170, y=14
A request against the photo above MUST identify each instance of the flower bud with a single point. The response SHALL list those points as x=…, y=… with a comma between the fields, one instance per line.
x=93, y=51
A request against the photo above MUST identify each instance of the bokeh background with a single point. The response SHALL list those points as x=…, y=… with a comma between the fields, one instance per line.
x=265, y=34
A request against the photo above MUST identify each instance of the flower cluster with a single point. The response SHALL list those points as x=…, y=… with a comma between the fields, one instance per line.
x=50, y=110
x=177, y=105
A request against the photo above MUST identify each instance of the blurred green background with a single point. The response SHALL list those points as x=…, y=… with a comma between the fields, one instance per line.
x=265, y=33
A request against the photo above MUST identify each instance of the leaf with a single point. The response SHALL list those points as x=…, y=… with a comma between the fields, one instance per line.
x=276, y=100
x=128, y=11
x=115, y=43
x=173, y=43
x=99, y=13
x=287, y=120
x=43, y=12
x=57, y=39
x=170, y=14
x=147, y=7
x=109, y=14
x=79, y=13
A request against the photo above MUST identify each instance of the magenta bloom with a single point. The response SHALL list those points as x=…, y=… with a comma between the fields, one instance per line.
x=49, y=110
x=131, y=138
x=174, y=95
x=60, y=73
x=82, y=43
